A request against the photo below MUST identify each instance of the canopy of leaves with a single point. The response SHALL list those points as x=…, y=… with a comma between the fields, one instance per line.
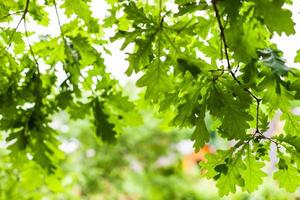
x=203, y=59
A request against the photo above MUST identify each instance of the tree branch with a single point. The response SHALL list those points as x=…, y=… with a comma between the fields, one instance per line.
x=222, y=34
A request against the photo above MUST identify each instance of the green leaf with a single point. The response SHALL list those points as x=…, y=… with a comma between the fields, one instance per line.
x=136, y=14
x=88, y=55
x=293, y=140
x=82, y=10
x=185, y=65
x=230, y=109
x=214, y=160
x=187, y=110
x=45, y=148
x=244, y=37
x=225, y=167
x=250, y=72
x=295, y=86
x=200, y=135
x=233, y=113
x=288, y=175
x=253, y=173
x=64, y=99
x=283, y=23
x=215, y=101
x=271, y=58
x=141, y=58
x=129, y=37
x=292, y=123
x=79, y=110
x=273, y=92
x=38, y=13
x=190, y=6
x=104, y=128
x=123, y=112
x=156, y=80
x=228, y=181
x=232, y=8
x=21, y=140
x=263, y=122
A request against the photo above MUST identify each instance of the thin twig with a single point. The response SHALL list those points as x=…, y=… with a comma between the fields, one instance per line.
x=58, y=19
x=221, y=51
x=267, y=138
x=10, y=14
x=237, y=68
x=257, y=115
x=218, y=70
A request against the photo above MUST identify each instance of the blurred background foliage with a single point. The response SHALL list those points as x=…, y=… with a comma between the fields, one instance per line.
x=150, y=162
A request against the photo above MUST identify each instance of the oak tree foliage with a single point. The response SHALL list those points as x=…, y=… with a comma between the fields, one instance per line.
x=198, y=59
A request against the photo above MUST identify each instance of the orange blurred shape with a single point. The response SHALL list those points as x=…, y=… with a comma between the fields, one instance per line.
x=191, y=160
